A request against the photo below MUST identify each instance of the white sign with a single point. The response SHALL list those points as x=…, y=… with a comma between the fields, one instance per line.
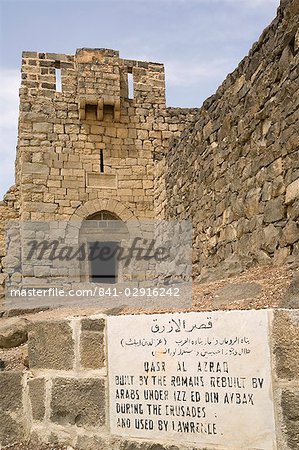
x=198, y=378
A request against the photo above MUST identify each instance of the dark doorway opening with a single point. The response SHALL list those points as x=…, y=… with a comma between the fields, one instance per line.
x=103, y=264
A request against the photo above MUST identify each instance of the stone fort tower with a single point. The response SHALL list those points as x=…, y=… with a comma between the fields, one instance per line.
x=89, y=146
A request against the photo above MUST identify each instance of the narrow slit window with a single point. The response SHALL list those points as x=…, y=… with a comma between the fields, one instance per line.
x=130, y=85
x=101, y=161
x=58, y=78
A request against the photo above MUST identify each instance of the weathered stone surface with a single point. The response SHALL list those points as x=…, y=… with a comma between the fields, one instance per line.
x=24, y=311
x=91, y=114
x=291, y=298
x=271, y=238
x=3, y=277
x=92, y=352
x=10, y=391
x=292, y=192
x=111, y=141
x=293, y=210
x=247, y=165
x=228, y=268
x=42, y=127
x=37, y=397
x=230, y=167
x=236, y=292
x=12, y=425
x=127, y=445
x=90, y=324
x=94, y=443
x=290, y=233
x=286, y=344
x=11, y=429
x=274, y=210
x=78, y=402
x=290, y=409
x=51, y=346
x=35, y=168
x=13, y=332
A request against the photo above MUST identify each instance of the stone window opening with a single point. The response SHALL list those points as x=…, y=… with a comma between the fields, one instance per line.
x=91, y=112
x=108, y=113
x=101, y=161
x=130, y=84
x=58, y=83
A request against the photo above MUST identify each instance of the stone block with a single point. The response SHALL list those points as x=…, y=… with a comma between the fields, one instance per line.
x=270, y=238
x=280, y=256
x=90, y=324
x=101, y=180
x=79, y=402
x=236, y=292
x=13, y=332
x=142, y=134
x=122, y=133
x=131, y=445
x=29, y=54
x=290, y=410
x=11, y=429
x=51, y=346
x=291, y=299
x=10, y=391
x=96, y=129
x=286, y=344
x=93, y=443
x=92, y=353
x=43, y=127
x=290, y=233
x=35, y=168
x=37, y=398
x=293, y=210
x=69, y=129
x=58, y=128
x=274, y=210
x=252, y=203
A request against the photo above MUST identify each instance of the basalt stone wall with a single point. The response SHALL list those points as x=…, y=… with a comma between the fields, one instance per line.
x=234, y=171
x=63, y=396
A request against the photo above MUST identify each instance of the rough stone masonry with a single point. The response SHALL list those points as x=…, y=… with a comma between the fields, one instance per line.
x=232, y=167
x=62, y=399
x=89, y=148
x=235, y=170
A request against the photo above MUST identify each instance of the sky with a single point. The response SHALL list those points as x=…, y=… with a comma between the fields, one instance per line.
x=199, y=41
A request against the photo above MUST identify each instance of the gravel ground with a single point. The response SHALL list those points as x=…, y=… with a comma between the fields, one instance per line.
x=274, y=283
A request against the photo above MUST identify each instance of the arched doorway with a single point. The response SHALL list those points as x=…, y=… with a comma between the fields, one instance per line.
x=103, y=215
x=103, y=234
x=115, y=207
